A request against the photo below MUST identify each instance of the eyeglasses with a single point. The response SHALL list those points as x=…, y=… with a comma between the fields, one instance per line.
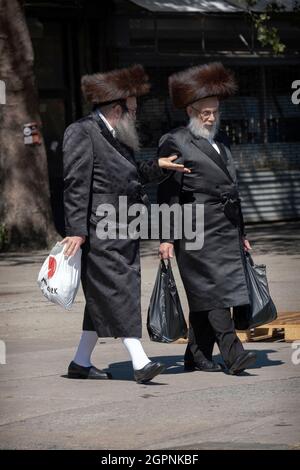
x=206, y=114
x=132, y=111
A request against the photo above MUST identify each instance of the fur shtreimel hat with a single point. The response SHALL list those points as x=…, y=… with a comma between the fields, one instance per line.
x=199, y=82
x=115, y=85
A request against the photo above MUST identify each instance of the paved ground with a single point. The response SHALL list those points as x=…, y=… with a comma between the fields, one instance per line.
x=42, y=409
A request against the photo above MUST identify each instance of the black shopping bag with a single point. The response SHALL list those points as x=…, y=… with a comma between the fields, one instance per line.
x=165, y=321
x=261, y=309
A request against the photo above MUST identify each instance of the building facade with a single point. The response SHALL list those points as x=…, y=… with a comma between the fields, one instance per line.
x=71, y=38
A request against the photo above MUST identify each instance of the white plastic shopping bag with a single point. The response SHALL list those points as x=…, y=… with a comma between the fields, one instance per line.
x=59, y=277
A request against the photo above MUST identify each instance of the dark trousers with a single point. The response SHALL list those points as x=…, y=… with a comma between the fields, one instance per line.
x=87, y=324
x=210, y=326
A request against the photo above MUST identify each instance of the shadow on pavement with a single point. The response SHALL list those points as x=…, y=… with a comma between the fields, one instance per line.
x=174, y=365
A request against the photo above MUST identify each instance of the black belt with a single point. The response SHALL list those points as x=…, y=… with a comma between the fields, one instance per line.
x=229, y=199
x=222, y=196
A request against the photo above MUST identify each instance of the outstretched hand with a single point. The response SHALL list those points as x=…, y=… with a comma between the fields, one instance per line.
x=167, y=164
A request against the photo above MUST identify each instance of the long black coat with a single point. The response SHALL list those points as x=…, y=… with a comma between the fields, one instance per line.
x=98, y=169
x=213, y=276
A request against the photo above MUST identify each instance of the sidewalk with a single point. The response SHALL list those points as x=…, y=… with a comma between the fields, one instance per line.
x=42, y=409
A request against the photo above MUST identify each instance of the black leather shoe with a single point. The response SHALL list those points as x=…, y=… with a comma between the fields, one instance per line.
x=148, y=372
x=242, y=362
x=204, y=365
x=76, y=371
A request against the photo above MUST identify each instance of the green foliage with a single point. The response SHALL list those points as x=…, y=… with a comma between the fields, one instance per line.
x=267, y=35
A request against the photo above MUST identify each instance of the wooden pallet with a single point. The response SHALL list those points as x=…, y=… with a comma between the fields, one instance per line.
x=181, y=341
x=287, y=326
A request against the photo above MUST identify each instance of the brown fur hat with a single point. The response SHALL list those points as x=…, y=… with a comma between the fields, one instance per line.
x=116, y=84
x=199, y=82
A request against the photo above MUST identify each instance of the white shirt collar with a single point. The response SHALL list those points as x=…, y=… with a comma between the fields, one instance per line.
x=109, y=127
x=213, y=143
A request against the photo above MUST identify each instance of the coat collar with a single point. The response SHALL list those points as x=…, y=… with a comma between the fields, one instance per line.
x=221, y=160
x=122, y=149
x=228, y=161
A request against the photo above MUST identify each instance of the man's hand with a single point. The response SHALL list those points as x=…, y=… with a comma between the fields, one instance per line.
x=166, y=250
x=166, y=163
x=247, y=246
x=72, y=245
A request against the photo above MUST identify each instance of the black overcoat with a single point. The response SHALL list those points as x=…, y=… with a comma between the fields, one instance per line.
x=97, y=170
x=213, y=276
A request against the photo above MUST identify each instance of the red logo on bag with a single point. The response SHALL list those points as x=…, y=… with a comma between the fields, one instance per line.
x=51, y=266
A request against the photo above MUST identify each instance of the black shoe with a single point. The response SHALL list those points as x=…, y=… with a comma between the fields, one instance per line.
x=242, y=362
x=148, y=372
x=204, y=365
x=75, y=371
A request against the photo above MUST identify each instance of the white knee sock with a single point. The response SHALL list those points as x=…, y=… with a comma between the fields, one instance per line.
x=86, y=346
x=138, y=356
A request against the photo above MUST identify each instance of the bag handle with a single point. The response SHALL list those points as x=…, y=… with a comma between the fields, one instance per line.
x=163, y=265
x=247, y=254
x=167, y=269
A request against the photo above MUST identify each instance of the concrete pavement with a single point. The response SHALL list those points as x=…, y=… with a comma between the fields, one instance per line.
x=42, y=409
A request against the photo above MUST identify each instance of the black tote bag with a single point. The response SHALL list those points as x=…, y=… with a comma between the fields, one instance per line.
x=165, y=320
x=261, y=309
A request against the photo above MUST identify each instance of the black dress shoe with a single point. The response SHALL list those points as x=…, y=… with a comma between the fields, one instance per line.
x=242, y=362
x=204, y=365
x=75, y=371
x=148, y=372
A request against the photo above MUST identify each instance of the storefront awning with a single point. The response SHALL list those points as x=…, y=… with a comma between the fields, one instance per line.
x=205, y=6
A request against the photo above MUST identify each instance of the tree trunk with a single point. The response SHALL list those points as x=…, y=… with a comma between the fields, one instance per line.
x=25, y=210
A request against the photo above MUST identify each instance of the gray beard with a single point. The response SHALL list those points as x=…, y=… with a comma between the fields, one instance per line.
x=198, y=129
x=126, y=132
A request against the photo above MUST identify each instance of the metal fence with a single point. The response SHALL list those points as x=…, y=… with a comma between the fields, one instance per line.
x=267, y=194
x=270, y=195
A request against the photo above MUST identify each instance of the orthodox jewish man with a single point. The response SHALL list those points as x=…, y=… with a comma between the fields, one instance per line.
x=213, y=275
x=100, y=166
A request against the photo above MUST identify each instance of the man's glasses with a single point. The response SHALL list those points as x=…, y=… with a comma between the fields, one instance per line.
x=132, y=111
x=206, y=114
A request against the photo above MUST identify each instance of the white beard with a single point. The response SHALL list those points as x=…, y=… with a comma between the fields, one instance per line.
x=199, y=130
x=126, y=132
